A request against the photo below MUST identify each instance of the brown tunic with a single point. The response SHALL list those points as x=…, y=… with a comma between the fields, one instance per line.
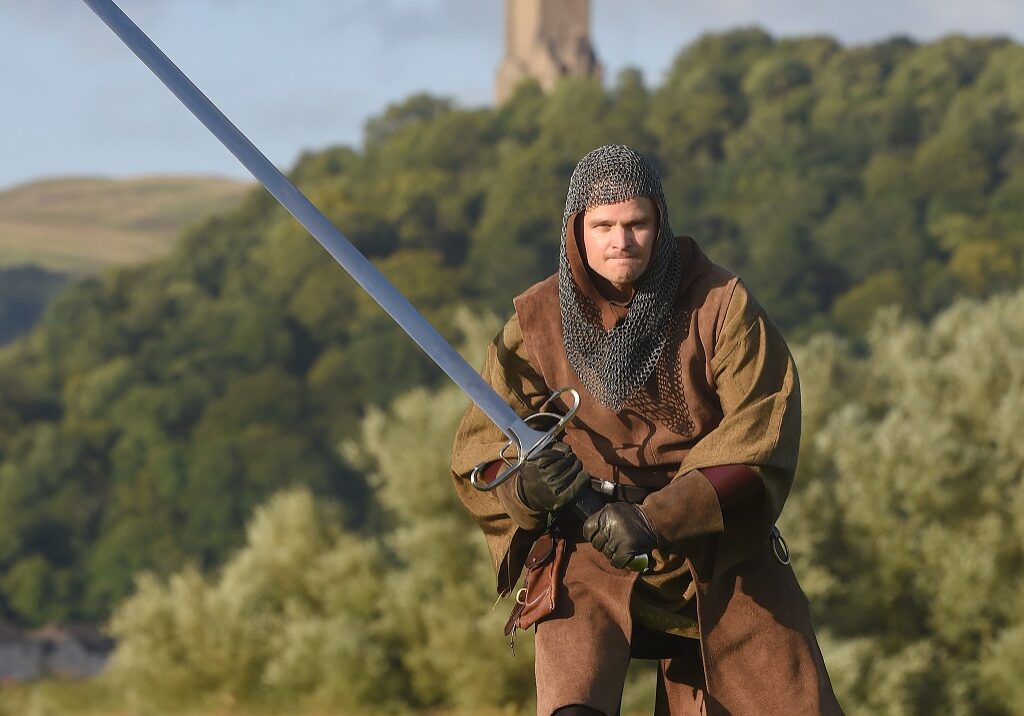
x=727, y=394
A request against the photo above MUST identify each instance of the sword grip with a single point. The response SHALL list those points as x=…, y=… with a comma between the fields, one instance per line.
x=590, y=503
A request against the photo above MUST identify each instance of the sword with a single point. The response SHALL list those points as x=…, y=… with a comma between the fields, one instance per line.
x=521, y=434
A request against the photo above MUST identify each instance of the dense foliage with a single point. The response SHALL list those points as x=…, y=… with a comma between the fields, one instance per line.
x=908, y=514
x=906, y=525
x=156, y=406
x=24, y=293
x=313, y=612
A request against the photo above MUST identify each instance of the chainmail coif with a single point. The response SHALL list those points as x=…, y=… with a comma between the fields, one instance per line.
x=615, y=364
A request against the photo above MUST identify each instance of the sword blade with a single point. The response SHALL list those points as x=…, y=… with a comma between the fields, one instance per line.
x=327, y=234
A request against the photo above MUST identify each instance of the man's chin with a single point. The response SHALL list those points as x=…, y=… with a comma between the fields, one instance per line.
x=624, y=273
x=627, y=277
x=622, y=283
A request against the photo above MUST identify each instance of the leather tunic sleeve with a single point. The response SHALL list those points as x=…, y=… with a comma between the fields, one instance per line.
x=508, y=526
x=758, y=387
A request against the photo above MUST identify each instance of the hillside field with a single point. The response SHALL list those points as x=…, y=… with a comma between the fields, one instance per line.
x=81, y=225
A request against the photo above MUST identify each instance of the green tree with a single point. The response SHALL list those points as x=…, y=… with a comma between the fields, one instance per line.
x=154, y=406
x=906, y=520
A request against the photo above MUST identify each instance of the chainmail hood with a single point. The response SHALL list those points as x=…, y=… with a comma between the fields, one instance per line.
x=614, y=364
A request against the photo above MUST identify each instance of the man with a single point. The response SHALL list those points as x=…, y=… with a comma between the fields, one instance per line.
x=690, y=421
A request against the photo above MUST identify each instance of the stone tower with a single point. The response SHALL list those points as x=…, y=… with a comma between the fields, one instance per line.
x=546, y=40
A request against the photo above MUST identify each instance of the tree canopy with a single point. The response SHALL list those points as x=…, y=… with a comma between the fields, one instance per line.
x=906, y=526
x=156, y=406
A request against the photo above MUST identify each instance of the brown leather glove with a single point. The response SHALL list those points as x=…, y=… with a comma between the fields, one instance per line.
x=620, y=531
x=551, y=479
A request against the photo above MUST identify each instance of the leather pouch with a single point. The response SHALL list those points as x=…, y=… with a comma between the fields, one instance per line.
x=542, y=585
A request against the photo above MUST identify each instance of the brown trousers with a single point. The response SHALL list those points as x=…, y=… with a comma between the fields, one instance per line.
x=680, y=687
x=761, y=655
x=681, y=683
x=584, y=648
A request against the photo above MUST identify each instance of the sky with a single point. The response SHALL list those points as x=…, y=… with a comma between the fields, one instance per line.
x=299, y=75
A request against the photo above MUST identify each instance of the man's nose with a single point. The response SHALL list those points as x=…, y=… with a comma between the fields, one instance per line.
x=622, y=237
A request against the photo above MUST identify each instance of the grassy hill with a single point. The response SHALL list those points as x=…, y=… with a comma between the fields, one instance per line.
x=81, y=225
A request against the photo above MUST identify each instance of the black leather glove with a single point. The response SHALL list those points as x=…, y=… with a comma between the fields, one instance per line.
x=551, y=479
x=620, y=531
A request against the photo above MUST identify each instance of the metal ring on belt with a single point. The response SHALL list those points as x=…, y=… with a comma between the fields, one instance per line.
x=779, y=546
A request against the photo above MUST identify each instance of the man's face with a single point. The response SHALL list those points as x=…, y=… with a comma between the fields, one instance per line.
x=619, y=239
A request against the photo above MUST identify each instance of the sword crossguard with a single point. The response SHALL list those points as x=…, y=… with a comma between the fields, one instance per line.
x=512, y=465
x=587, y=502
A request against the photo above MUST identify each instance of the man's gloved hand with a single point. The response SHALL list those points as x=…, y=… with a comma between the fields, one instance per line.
x=551, y=479
x=620, y=531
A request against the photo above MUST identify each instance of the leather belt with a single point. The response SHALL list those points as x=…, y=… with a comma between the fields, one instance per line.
x=619, y=491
